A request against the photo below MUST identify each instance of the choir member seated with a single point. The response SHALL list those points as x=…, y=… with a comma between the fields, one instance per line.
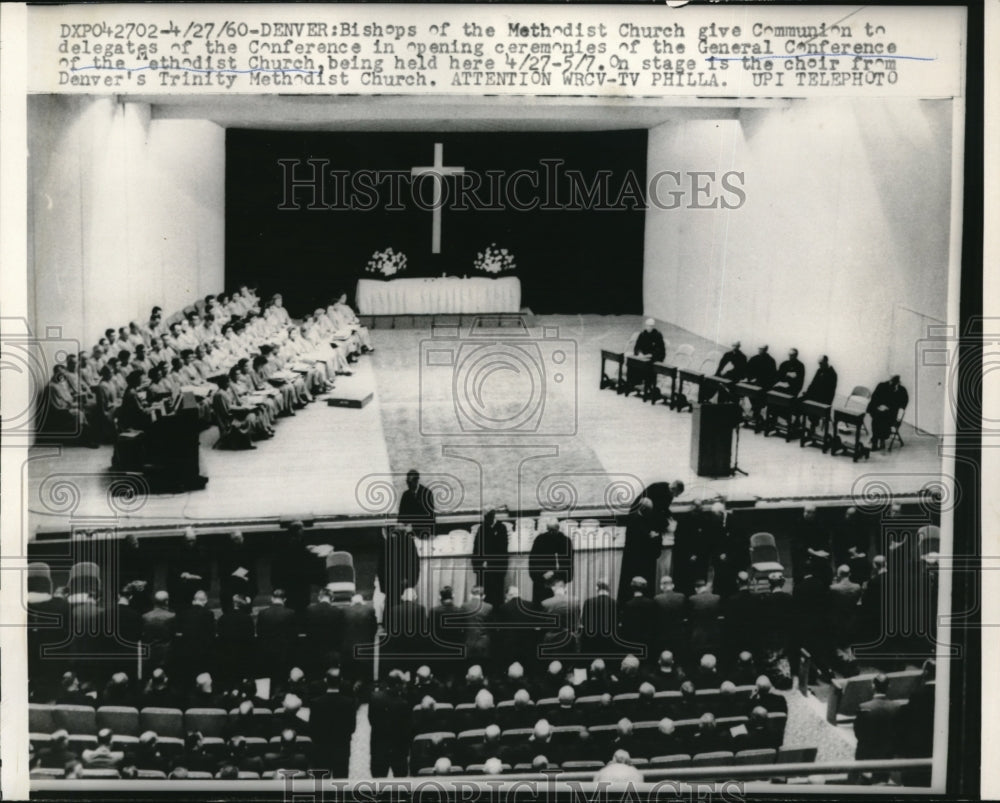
x=649, y=347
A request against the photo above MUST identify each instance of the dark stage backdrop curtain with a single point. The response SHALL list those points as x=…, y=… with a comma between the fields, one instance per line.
x=572, y=257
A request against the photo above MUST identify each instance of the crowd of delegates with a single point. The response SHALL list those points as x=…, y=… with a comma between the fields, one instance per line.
x=788, y=377
x=702, y=627
x=244, y=363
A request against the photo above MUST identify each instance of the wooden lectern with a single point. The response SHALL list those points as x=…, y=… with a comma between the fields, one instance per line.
x=712, y=439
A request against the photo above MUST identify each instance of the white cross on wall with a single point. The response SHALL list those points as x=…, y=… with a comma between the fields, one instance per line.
x=437, y=172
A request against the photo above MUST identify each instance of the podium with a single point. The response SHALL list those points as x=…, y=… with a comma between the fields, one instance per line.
x=712, y=439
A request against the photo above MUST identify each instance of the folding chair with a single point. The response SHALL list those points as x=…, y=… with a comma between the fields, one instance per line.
x=894, y=436
x=211, y=722
x=764, y=556
x=340, y=577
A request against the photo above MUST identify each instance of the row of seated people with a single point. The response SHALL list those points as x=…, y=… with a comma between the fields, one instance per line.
x=761, y=371
x=243, y=363
x=561, y=744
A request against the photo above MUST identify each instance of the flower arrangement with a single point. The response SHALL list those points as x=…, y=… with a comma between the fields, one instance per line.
x=494, y=260
x=387, y=262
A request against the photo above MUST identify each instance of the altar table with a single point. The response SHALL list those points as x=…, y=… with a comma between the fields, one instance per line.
x=444, y=295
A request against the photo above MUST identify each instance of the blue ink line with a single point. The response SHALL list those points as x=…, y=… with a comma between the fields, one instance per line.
x=194, y=69
x=813, y=55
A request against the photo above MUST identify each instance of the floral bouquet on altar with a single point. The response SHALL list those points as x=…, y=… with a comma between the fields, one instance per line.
x=494, y=260
x=387, y=263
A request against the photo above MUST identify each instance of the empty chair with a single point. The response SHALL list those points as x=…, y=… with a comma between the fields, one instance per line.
x=594, y=712
x=776, y=721
x=797, y=755
x=123, y=720
x=683, y=356
x=85, y=578
x=78, y=742
x=211, y=722
x=163, y=721
x=76, y=718
x=261, y=724
x=717, y=758
x=340, y=577
x=858, y=398
x=567, y=734
x=256, y=745
x=40, y=740
x=465, y=738
x=41, y=718
x=764, y=555
x=516, y=735
x=766, y=755
x=710, y=363
x=678, y=760
x=39, y=578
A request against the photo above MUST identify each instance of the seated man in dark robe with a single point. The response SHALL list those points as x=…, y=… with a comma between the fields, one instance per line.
x=649, y=346
x=886, y=402
x=761, y=371
x=732, y=366
x=822, y=388
x=791, y=375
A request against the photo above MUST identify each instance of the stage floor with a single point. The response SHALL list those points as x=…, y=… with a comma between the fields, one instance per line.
x=585, y=448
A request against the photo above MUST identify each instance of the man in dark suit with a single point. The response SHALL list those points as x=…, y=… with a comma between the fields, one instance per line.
x=195, y=638
x=916, y=726
x=357, y=647
x=877, y=723
x=704, y=608
x=777, y=611
x=398, y=563
x=671, y=605
x=759, y=734
x=57, y=755
x=294, y=569
x=551, y=558
x=235, y=640
x=158, y=629
x=668, y=676
x=642, y=548
x=884, y=406
x=874, y=601
x=159, y=692
x=416, y=507
x=332, y=718
x=765, y=695
x=126, y=624
x=324, y=628
x=446, y=634
x=741, y=619
x=812, y=608
x=474, y=616
x=640, y=617
x=237, y=571
x=276, y=634
x=709, y=737
x=559, y=637
x=390, y=716
x=844, y=597
x=409, y=638
x=103, y=757
x=204, y=694
x=599, y=624
x=791, y=374
x=649, y=346
x=488, y=747
x=516, y=637
x=733, y=363
x=190, y=570
x=288, y=756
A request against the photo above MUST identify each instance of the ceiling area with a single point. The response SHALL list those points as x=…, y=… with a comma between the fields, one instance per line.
x=441, y=113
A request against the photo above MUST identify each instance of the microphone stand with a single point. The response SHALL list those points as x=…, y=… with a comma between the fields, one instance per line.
x=735, y=468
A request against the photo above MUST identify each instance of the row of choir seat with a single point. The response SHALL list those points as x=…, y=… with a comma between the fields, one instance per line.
x=426, y=748
x=792, y=755
x=170, y=724
x=590, y=709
